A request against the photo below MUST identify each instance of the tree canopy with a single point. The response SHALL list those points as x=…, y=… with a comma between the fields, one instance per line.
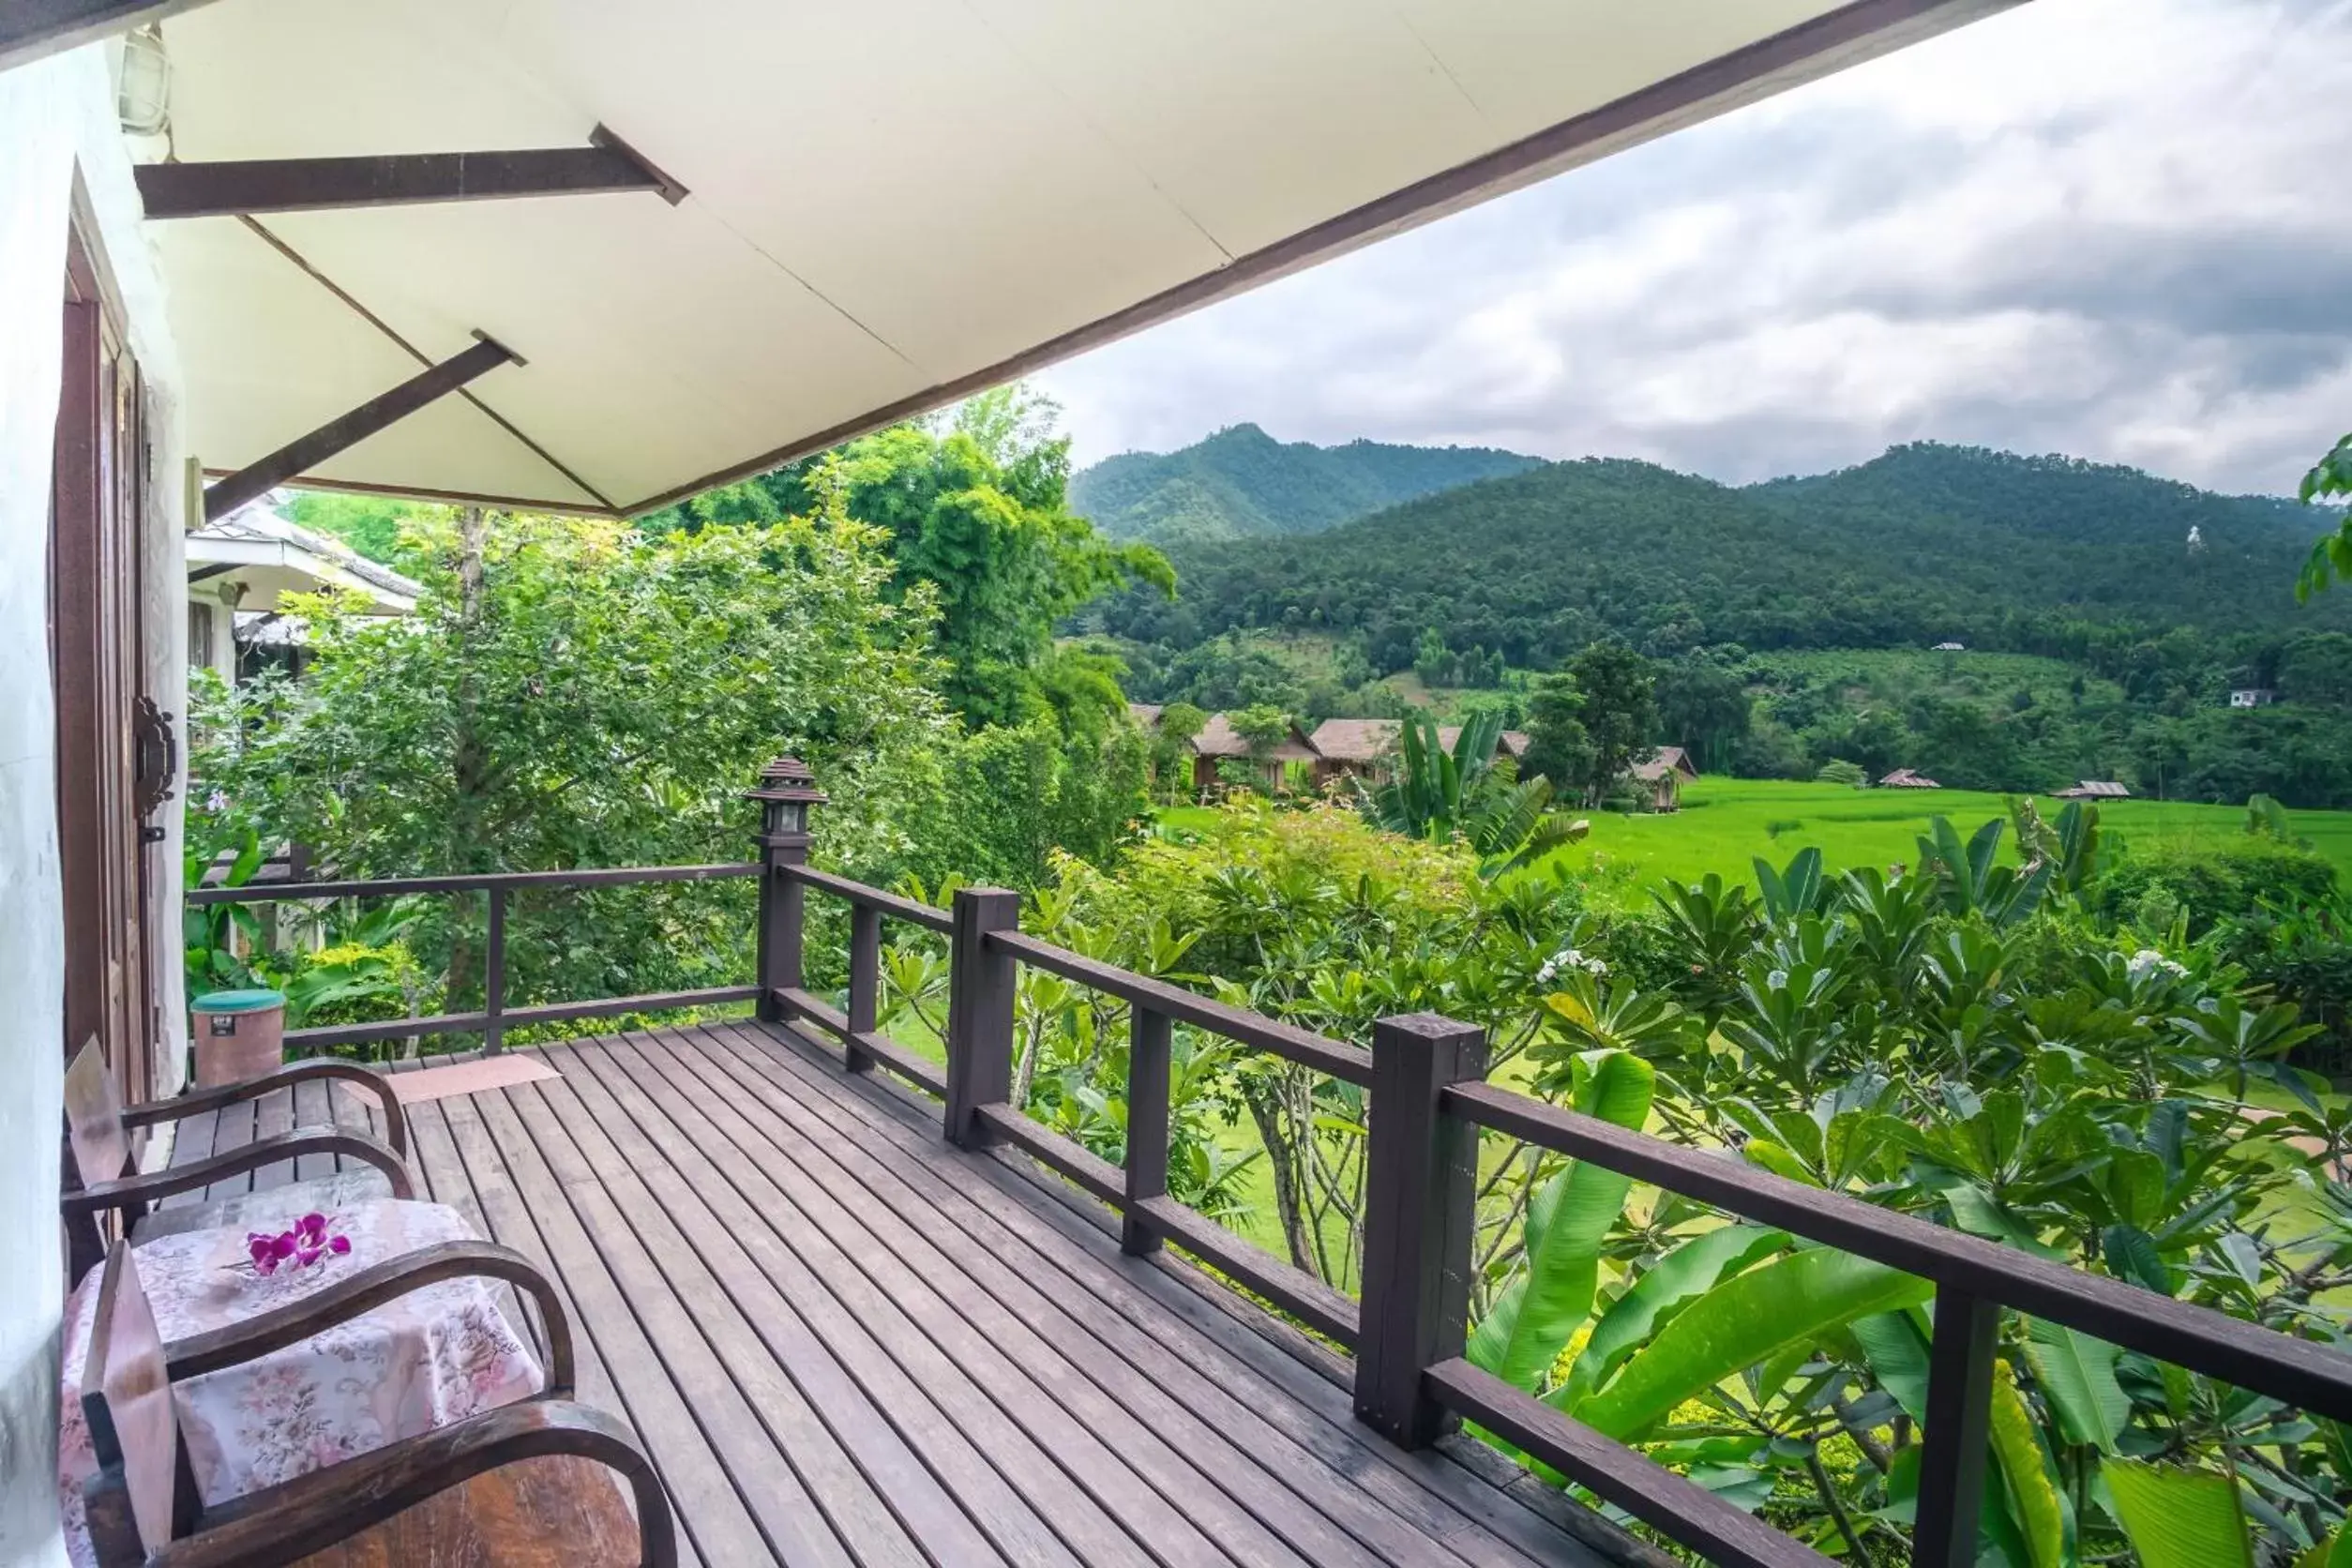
x=975, y=509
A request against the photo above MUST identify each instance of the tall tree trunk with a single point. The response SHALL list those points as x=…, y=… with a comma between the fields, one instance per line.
x=469, y=754
x=1273, y=1131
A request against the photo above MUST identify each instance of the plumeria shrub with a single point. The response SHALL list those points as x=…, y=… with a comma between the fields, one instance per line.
x=1967, y=1040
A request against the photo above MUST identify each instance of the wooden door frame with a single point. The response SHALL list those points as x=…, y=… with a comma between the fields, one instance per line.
x=98, y=498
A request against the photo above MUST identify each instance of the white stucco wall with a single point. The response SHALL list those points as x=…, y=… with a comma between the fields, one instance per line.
x=57, y=116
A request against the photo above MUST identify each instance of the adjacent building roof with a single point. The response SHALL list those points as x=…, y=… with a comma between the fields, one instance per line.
x=270, y=556
x=1356, y=740
x=1904, y=778
x=1368, y=740
x=1668, y=758
x=1218, y=738
x=2096, y=789
x=885, y=206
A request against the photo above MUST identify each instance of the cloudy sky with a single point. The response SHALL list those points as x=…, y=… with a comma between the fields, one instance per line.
x=2120, y=229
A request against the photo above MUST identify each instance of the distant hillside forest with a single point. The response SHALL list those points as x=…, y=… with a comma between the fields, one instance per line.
x=1241, y=483
x=2155, y=600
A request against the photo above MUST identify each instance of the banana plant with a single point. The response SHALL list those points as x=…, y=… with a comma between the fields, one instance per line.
x=1728, y=1299
x=1469, y=794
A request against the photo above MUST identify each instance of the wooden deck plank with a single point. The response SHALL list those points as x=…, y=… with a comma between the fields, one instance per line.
x=835, y=1484
x=843, y=1341
x=191, y=1140
x=795, y=1529
x=710, y=1511
x=233, y=1129
x=1115, y=1517
x=273, y=1113
x=1288, y=1495
x=1319, y=1468
x=508, y=1222
x=853, y=1326
x=1437, y=1495
x=734, y=1241
x=313, y=1107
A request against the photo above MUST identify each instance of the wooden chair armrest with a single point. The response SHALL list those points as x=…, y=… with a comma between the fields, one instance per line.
x=370, y=1288
x=133, y=1191
x=286, y=1523
x=198, y=1100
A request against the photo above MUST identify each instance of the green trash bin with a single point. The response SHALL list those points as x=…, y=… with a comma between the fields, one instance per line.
x=239, y=1035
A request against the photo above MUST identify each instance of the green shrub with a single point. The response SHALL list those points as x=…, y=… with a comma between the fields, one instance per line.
x=2148, y=887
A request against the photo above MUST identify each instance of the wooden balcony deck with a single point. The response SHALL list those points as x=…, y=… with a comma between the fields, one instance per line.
x=845, y=1341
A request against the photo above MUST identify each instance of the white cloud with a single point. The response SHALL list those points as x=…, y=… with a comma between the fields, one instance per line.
x=2113, y=228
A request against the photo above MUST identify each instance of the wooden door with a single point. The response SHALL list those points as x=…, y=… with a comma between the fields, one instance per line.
x=97, y=650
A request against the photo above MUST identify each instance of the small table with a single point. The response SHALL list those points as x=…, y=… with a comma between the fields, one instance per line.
x=430, y=1357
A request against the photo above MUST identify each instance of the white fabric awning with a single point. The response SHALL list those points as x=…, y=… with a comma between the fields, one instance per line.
x=892, y=204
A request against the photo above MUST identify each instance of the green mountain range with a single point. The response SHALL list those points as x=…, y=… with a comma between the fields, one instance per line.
x=1241, y=484
x=1926, y=544
x=2145, y=601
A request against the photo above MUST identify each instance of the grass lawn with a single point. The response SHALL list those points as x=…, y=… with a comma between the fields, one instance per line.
x=1726, y=823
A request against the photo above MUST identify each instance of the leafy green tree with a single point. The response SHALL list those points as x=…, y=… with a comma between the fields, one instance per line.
x=1263, y=728
x=977, y=512
x=1703, y=707
x=371, y=524
x=1558, y=746
x=2318, y=668
x=1837, y=771
x=571, y=693
x=1619, y=712
x=2331, y=481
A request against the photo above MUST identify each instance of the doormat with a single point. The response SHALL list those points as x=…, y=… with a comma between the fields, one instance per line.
x=502, y=1071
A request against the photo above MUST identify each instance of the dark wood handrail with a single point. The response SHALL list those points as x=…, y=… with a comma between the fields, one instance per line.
x=874, y=898
x=1427, y=1101
x=2304, y=1373
x=1410, y=1369
x=496, y=1018
x=1335, y=1058
x=387, y=887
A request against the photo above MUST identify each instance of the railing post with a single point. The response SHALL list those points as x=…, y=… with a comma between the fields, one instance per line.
x=1957, y=1430
x=980, y=990
x=1421, y=1178
x=785, y=794
x=865, y=981
x=1149, y=1036
x=495, y=975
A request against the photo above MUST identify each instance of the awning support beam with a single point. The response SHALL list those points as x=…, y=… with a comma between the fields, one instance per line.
x=32, y=28
x=395, y=179
x=298, y=457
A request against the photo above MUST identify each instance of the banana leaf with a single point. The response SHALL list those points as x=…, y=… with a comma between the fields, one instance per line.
x=2034, y=1504
x=1521, y=1337
x=1681, y=1276
x=2178, y=1518
x=1744, y=1320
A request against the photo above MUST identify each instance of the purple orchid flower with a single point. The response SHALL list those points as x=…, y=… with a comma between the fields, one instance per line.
x=305, y=1244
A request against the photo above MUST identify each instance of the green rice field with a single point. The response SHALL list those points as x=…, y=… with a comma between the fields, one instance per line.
x=1726, y=823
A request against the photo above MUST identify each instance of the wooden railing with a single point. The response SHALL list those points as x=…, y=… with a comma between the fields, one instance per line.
x=495, y=1018
x=1426, y=1102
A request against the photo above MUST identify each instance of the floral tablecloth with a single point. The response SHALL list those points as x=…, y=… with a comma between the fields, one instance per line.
x=433, y=1356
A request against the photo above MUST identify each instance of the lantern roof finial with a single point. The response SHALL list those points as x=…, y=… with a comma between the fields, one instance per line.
x=787, y=779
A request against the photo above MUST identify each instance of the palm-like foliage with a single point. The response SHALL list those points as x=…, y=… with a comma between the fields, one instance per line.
x=1471, y=793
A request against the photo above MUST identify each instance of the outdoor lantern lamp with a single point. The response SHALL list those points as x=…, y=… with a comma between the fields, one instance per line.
x=787, y=791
